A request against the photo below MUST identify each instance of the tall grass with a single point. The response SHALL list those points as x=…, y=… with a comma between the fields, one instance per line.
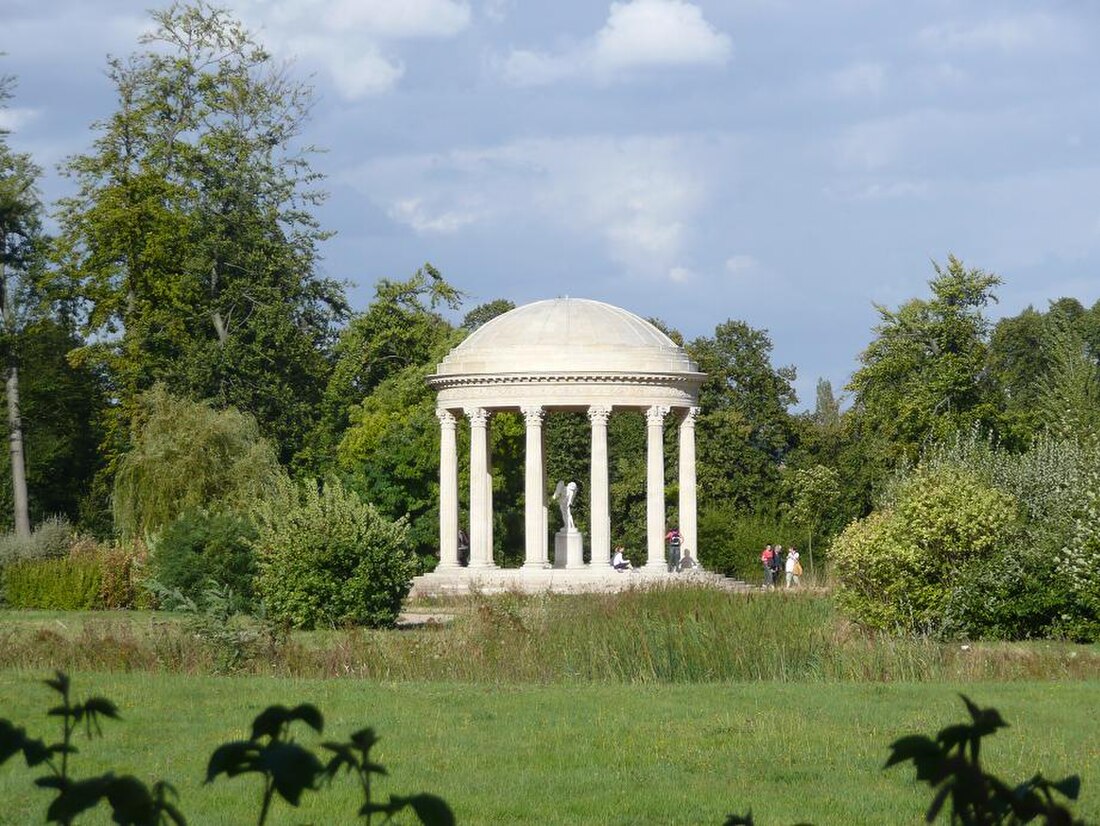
x=672, y=635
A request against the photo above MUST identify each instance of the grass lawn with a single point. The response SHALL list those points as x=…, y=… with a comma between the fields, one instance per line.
x=576, y=753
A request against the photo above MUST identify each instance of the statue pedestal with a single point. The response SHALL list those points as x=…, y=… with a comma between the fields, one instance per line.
x=568, y=549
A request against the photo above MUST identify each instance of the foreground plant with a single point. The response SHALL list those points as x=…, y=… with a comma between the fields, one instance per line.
x=287, y=769
x=132, y=802
x=950, y=763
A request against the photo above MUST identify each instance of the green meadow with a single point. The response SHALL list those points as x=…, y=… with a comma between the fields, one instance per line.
x=577, y=753
x=677, y=706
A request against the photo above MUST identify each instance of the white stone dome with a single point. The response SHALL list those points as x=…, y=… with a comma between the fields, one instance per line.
x=566, y=336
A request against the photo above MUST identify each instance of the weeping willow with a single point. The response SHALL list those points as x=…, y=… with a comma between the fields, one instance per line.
x=187, y=455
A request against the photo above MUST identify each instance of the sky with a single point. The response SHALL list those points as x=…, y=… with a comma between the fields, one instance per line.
x=788, y=163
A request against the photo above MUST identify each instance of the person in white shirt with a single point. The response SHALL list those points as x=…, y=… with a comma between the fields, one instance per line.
x=791, y=566
x=619, y=562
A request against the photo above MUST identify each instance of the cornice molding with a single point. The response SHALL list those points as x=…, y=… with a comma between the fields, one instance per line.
x=447, y=382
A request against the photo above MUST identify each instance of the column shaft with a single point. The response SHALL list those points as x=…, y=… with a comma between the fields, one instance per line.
x=655, y=488
x=600, y=517
x=534, y=492
x=688, y=509
x=448, y=491
x=489, y=491
x=480, y=550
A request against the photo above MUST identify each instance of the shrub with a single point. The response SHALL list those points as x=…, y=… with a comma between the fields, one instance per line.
x=896, y=568
x=1046, y=582
x=200, y=547
x=49, y=540
x=121, y=570
x=326, y=557
x=70, y=584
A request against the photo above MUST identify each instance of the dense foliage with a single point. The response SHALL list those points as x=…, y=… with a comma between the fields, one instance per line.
x=188, y=455
x=200, y=549
x=327, y=558
x=978, y=541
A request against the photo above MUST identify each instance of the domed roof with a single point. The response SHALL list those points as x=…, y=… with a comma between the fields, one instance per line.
x=569, y=336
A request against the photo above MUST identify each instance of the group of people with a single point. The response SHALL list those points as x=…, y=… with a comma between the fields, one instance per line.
x=774, y=561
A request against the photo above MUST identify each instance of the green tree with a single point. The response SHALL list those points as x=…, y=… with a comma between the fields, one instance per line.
x=326, y=558
x=897, y=567
x=60, y=409
x=813, y=492
x=401, y=329
x=744, y=430
x=923, y=376
x=190, y=244
x=486, y=312
x=20, y=246
x=188, y=456
x=1069, y=405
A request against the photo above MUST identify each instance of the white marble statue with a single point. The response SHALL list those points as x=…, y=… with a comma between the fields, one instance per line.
x=564, y=495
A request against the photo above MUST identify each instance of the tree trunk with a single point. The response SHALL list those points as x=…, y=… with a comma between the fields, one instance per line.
x=18, y=468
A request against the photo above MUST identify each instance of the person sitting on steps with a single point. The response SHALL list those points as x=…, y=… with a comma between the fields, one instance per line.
x=619, y=562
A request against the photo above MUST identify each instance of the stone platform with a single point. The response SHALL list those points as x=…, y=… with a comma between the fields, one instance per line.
x=460, y=581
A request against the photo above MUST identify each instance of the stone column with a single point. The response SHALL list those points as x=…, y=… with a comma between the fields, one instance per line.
x=534, y=492
x=655, y=488
x=489, y=491
x=448, y=491
x=600, y=518
x=688, y=519
x=481, y=554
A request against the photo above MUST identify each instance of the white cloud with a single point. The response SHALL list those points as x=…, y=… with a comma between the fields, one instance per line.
x=15, y=118
x=742, y=265
x=392, y=20
x=638, y=34
x=658, y=33
x=680, y=275
x=884, y=190
x=357, y=72
x=638, y=197
x=496, y=10
x=859, y=80
x=352, y=39
x=414, y=213
x=1015, y=33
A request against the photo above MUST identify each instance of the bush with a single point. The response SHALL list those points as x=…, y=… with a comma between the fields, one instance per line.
x=49, y=540
x=326, y=557
x=896, y=568
x=1046, y=582
x=121, y=571
x=70, y=584
x=201, y=547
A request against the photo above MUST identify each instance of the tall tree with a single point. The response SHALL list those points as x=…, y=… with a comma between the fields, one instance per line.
x=1069, y=405
x=401, y=329
x=744, y=430
x=191, y=243
x=20, y=244
x=923, y=376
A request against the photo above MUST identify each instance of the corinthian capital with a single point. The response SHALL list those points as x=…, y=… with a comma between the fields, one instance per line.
x=478, y=416
x=656, y=414
x=446, y=418
x=533, y=416
x=599, y=415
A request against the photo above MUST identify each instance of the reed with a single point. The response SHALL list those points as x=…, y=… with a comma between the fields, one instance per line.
x=652, y=636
